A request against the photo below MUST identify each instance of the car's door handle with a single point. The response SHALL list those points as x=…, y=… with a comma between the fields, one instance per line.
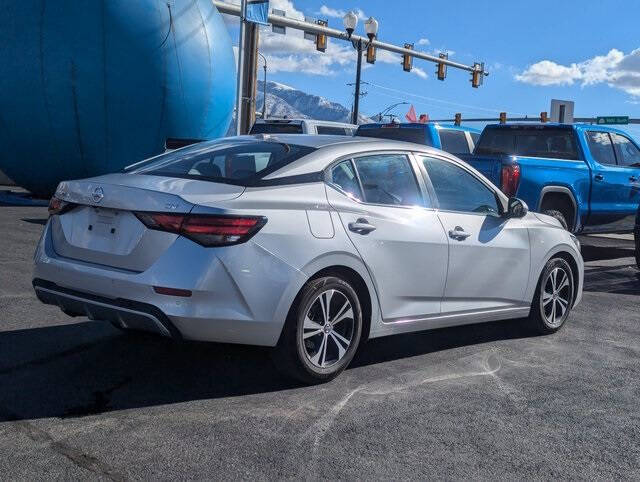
x=633, y=179
x=361, y=226
x=458, y=233
x=599, y=177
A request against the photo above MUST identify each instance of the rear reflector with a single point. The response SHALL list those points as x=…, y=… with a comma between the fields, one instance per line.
x=510, y=179
x=161, y=290
x=207, y=230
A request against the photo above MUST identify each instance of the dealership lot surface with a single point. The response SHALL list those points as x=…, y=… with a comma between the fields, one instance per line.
x=79, y=399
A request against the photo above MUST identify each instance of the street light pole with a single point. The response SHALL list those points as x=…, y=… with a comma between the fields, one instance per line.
x=350, y=21
x=264, y=88
x=356, y=100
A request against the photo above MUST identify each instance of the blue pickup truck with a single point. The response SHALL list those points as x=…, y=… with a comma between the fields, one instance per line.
x=454, y=139
x=586, y=176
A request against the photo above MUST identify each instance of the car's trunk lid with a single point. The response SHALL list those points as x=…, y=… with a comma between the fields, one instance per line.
x=103, y=228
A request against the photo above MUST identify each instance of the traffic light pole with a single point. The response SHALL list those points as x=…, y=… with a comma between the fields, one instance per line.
x=356, y=100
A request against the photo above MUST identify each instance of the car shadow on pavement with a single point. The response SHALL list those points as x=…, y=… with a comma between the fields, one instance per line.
x=88, y=368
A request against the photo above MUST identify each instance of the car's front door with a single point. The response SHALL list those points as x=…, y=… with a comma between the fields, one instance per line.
x=628, y=158
x=395, y=231
x=488, y=253
x=611, y=191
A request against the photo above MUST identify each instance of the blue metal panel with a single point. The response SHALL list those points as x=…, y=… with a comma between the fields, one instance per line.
x=89, y=87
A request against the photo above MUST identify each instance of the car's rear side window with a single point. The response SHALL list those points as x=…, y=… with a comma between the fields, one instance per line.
x=343, y=176
x=551, y=143
x=235, y=162
x=388, y=179
x=276, y=128
x=417, y=135
x=454, y=141
x=601, y=147
x=332, y=131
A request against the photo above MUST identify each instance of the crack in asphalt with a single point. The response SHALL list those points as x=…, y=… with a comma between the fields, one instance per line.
x=489, y=366
x=73, y=454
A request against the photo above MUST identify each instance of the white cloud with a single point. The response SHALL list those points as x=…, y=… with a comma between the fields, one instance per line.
x=424, y=41
x=339, y=13
x=615, y=69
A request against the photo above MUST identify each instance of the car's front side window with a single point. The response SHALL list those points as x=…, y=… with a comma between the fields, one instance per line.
x=626, y=151
x=343, y=176
x=388, y=179
x=458, y=190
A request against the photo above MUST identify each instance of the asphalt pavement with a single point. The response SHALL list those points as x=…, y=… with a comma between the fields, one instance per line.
x=78, y=399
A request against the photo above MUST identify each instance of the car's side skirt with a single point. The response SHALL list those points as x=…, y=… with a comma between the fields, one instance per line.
x=405, y=325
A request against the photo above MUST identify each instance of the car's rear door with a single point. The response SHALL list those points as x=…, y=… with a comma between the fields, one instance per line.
x=488, y=254
x=379, y=198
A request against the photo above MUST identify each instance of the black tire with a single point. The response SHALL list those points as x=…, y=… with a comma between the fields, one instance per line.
x=558, y=215
x=297, y=348
x=541, y=315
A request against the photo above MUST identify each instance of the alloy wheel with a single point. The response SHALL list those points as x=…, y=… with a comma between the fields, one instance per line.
x=328, y=328
x=556, y=296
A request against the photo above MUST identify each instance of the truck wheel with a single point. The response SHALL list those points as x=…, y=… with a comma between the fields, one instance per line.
x=554, y=297
x=322, y=332
x=558, y=215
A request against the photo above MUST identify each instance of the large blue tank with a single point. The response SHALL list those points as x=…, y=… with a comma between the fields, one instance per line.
x=88, y=87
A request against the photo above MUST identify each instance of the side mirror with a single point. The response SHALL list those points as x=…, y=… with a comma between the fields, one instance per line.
x=517, y=208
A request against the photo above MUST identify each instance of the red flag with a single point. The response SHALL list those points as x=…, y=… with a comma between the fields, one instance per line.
x=424, y=118
x=411, y=115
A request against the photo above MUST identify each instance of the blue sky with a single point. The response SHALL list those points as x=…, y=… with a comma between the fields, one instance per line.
x=535, y=51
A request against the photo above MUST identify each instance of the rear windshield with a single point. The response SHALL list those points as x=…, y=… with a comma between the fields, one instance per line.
x=528, y=141
x=231, y=162
x=276, y=128
x=417, y=135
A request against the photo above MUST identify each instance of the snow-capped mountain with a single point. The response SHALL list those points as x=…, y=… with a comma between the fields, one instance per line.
x=283, y=100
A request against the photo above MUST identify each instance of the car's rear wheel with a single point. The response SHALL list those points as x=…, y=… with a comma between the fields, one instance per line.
x=554, y=297
x=322, y=332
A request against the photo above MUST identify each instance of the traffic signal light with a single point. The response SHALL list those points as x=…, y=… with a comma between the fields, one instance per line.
x=321, y=38
x=544, y=117
x=371, y=54
x=441, y=71
x=477, y=75
x=503, y=117
x=457, y=119
x=407, y=60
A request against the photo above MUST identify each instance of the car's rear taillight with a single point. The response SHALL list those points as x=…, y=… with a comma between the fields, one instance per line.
x=58, y=206
x=510, y=179
x=204, y=229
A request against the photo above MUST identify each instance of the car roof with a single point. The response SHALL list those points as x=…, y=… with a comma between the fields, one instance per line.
x=300, y=121
x=424, y=125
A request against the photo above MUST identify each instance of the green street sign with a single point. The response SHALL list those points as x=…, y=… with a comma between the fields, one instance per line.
x=613, y=119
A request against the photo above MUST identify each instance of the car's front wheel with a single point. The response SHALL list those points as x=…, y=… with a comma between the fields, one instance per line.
x=554, y=297
x=322, y=332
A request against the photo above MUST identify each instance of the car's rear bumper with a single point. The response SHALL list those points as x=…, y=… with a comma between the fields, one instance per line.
x=239, y=294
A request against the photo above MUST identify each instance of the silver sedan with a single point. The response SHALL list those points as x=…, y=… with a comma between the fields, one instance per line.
x=308, y=244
